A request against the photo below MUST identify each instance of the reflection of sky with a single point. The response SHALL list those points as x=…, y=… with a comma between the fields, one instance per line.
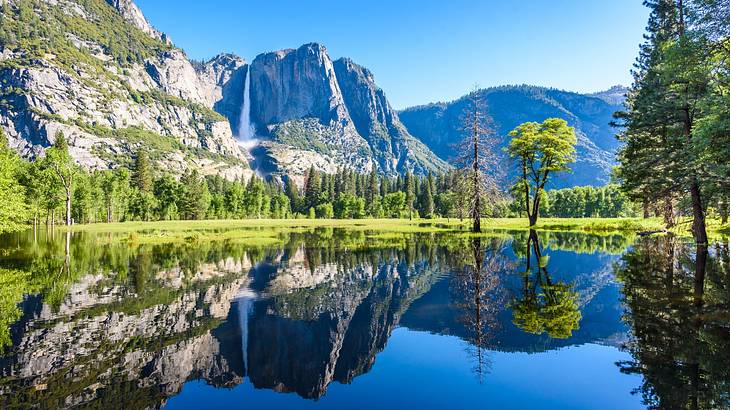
x=421, y=370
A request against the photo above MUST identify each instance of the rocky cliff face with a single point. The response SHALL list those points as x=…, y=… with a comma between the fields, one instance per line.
x=113, y=85
x=134, y=15
x=438, y=125
x=313, y=111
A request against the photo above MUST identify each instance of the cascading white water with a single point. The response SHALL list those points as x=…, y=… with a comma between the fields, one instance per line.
x=246, y=129
x=246, y=298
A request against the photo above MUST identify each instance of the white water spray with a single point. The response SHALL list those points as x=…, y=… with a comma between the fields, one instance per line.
x=246, y=129
x=246, y=297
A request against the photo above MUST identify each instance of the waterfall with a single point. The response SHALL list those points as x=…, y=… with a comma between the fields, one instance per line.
x=246, y=130
x=246, y=298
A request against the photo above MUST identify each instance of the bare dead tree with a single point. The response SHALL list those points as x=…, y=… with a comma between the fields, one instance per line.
x=477, y=295
x=477, y=161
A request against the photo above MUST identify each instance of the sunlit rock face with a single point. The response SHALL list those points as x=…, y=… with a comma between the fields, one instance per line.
x=330, y=114
x=108, y=109
x=308, y=109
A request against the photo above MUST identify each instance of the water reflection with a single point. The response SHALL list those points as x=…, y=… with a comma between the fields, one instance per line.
x=478, y=297
x=545, y=305
x=97, y=322
x=678, y=295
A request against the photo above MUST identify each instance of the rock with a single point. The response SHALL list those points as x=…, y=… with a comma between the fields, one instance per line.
x=160, y=103
x=334, y=112
x=134, y=15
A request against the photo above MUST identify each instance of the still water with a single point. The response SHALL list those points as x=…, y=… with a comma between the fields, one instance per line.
x=336, y=318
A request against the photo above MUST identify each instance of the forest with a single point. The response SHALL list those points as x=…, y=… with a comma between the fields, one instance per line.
x=38, y=192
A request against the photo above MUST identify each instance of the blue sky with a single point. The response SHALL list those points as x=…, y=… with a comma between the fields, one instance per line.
x=423, y=51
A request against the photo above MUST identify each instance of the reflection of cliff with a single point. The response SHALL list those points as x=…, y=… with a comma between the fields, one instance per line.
x=303, y=339
x=119, y=346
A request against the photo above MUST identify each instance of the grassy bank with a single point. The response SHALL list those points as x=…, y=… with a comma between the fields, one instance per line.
x=269, y=231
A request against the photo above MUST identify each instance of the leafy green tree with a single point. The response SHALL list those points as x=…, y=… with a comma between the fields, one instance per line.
x=64, y=168
x=394, y=205
x=13, y=209
x=254, y=198
x=195, y=197
x=167, y=191
x=325, y=211
x=545, y=306
x=540, y=150
x=280, y=207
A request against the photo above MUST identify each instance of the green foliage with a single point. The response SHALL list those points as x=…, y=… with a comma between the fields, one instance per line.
x=540, y=150
x=13, y=208
x=589, y=202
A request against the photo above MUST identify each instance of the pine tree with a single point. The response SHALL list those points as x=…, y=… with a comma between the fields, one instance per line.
x=313, y=188
x=142, y=177
x=410, y=190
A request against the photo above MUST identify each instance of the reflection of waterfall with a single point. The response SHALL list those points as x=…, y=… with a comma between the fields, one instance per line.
x=246, y=129
x=246, y=298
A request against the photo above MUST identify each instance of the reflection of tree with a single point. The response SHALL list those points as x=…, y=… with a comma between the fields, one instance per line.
x=545, y=306
x=678, y=296
x=477, y=297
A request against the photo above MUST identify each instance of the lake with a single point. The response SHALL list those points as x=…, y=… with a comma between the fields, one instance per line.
x=332, y=318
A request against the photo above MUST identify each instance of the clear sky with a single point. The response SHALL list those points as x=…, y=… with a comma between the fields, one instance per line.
x=423, y=51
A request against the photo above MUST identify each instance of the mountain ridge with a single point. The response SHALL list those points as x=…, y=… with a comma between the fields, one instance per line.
x=438, y=125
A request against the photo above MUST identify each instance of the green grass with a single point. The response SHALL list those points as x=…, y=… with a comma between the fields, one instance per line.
x=593, y=225
x=263, y=232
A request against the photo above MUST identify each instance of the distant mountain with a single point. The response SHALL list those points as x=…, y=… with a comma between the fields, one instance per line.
x=438, y=125
x=311, y=110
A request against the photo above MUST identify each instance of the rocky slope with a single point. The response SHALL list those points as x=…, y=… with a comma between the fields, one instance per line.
x=438, y=125
x=99, y=73
x=311, y=110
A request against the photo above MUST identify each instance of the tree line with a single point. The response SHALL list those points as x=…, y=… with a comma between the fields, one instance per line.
x=53, y=190
x=676, y=132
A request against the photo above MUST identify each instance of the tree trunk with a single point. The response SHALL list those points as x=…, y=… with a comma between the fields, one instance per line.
x=699, y=229
x=668, y=212
x=646, y=208
x=535, y=209
x=68, y=209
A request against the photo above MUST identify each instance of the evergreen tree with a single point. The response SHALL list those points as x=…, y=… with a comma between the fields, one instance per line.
x=195, y=197
x=292, y=192
x=410, y=191
x=142, y=177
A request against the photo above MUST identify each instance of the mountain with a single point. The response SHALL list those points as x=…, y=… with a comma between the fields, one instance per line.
x=311, y=110
x=98, y=72
x=438, y=125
